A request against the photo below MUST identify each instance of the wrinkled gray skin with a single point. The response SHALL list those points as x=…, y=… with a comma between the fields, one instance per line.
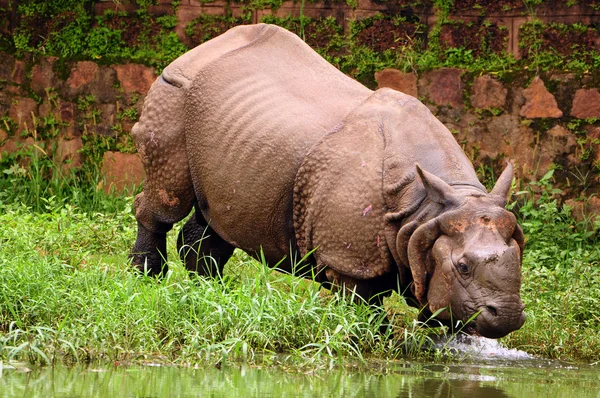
x=279, y=151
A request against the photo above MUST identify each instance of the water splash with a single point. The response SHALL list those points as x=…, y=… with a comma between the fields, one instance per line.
x=477, y=347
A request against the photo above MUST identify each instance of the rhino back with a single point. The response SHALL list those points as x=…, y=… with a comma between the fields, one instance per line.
x=252, y=114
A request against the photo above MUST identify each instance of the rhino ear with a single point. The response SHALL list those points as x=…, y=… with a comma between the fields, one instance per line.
x=502, y=187
x=437, y=189
x=419, y=245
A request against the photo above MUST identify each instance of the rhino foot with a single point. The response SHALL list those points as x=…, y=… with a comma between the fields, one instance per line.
x=149, y=252
x=201, y=249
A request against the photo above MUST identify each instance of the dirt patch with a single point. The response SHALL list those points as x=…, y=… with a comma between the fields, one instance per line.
x=388, y=34
x=478, y=37
x=134, y=31
x=488, y=5
x=565, y=40
x=39, y=27
x=208, y=27
x=319, y=33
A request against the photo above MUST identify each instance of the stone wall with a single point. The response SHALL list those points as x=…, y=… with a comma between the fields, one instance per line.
x=58, y=113
x=540, y=120
x=508, y=15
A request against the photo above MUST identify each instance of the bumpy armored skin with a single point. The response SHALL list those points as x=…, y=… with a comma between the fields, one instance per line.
x=281, y=153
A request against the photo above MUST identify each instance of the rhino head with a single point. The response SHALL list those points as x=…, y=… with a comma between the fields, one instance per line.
x=466, y=262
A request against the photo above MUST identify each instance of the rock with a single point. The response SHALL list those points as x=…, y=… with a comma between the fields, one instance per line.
x=5, y=100
x=593, y=137
x=7, y=66
x=185, y=15
x=12, y=145
x=586, y=103
x=42, y=76
x=585, y=210
x=103, y=86
x=106, y=120
x=121, y=171
x=67, y=116
x=400, y=81
x=539, y=102
x=488, y=92
x=67, y=153
x=18, y=75
x=557, y=142
x=21, y=111
x=135, y=78
x=507, y=136
x=9, y=146
x=563, y=77
x=82, y=74
x=87, y=78
x=443, y=87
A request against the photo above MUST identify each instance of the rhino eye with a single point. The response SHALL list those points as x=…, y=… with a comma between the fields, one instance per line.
x=462, y=267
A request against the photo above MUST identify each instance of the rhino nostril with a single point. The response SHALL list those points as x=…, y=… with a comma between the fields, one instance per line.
x=491, y=309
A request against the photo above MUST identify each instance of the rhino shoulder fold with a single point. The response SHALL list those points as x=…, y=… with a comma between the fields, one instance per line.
x=338, y=202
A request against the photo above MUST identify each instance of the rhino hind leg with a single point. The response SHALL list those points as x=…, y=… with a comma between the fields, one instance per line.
x=155, y=218
x=201, y=249
x=168, y=195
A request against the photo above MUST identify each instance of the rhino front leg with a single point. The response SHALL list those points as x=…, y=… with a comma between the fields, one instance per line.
x=201, y=249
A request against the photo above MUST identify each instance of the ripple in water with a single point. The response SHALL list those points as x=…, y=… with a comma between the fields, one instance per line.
x=477, y=347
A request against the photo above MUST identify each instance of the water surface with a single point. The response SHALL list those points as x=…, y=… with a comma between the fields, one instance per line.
x=486, y=369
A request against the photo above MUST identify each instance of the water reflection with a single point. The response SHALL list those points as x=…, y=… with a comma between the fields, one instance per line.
x=392, y=379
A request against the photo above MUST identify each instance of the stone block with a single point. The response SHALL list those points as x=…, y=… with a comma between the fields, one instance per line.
x=5, y=99
x=106, y=120
x=585, y=210
x=539, y=102
x=103, y=86
x=67, y=153
x=42, y=76
x=556, y=143
x=7, y=66
x=12, y=145
x=400, y=81
x=444, y=87
x=488, y=92
x=19, y=73
x=586, y=103
x=81, y=77
x=121, y=171
x=185, y=15
x=507, y=136
x=83, y=73
x=563, y=77
x=66, y=112
x=135, y=78
x=22, y=111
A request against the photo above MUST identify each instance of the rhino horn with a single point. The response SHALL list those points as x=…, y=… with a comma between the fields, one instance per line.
x=437, y=189
x=502, y=187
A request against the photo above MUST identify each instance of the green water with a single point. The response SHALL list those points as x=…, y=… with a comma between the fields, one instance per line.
x=520, y=378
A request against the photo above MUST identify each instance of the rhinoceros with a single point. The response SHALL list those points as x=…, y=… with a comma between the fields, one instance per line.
x=284, y=157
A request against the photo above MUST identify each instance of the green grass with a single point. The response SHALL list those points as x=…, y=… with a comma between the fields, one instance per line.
x=67, y=292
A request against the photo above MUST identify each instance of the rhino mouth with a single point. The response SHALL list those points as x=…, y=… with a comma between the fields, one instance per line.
x=471, y=329
x=493, y=326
